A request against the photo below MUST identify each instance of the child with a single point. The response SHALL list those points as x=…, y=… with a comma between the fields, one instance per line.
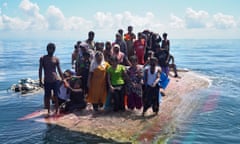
x=116, y=76
x=151, y=93
x=64, y=93
x=134, y=86
x=173, y=66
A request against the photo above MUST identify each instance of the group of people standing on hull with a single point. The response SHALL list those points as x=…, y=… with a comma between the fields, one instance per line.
x=114, y=75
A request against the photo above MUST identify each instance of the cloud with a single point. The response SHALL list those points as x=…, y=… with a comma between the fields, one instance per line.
x=238, y=23
x=202, y=20
x=35, y=19
x=222, y=21
x=53, y=22
x=57, y=21
x=10, y=23
x=4, y=5
x=1, y=22
x=124, y=19
x=29, y=8
x=105, y=20
x=55, y=18
x=176, y=22
x=77, y=23
x=196, y=19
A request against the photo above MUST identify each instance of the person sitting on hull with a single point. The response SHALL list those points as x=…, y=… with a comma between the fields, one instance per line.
x=165, y=45
x=77, y=98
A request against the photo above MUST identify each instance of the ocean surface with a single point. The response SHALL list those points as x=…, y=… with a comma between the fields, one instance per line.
x=216, y=120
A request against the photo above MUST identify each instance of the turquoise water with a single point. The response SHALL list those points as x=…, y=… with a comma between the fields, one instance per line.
x=216, y=120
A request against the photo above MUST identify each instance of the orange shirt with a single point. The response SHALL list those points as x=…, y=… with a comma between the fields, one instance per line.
x=128, y=37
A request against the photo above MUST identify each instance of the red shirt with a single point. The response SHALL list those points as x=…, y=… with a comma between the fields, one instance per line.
x=139, y=46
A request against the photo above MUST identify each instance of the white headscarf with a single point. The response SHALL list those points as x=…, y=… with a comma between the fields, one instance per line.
x=94, y=63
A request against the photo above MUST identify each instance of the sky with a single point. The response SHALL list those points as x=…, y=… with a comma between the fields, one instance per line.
x=72, y=19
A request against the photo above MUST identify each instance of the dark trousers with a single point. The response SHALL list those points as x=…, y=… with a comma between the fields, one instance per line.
x=118, y=98
x=151, y=98
x=61, y=101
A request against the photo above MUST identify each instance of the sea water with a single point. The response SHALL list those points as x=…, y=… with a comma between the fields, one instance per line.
x=215, y=120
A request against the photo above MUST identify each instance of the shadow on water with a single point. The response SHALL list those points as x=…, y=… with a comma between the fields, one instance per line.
x=61, y=135
x=55, y=134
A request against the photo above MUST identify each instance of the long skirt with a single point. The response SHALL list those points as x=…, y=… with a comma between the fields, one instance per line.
x=134, y=101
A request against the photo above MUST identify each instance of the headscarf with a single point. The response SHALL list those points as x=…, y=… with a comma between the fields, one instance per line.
x=94, y=63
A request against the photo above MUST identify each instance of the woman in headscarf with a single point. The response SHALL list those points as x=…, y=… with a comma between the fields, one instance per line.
x=121, y=57
x=97, y=81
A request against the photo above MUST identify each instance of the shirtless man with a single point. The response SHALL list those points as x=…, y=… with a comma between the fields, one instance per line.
x=166, y=46
x=49, y=64
x=165, y=42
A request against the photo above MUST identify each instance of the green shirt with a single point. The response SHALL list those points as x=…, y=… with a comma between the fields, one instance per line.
x=116, y=75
